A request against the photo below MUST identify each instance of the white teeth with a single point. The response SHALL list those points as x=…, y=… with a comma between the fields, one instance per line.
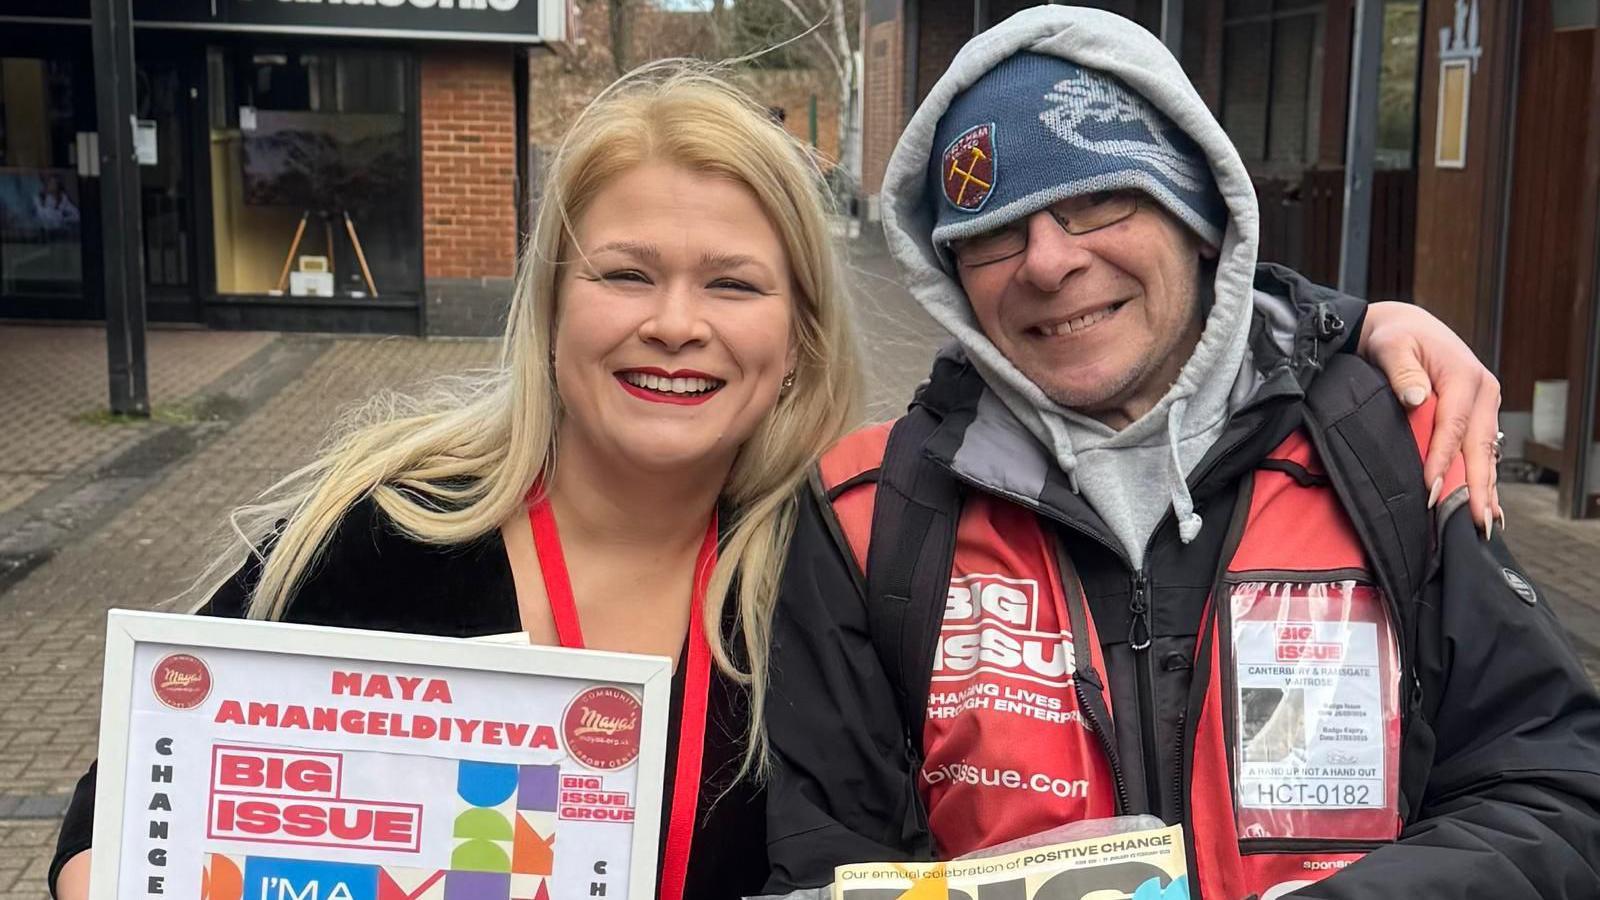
x=1078, y=324
x=671, y=385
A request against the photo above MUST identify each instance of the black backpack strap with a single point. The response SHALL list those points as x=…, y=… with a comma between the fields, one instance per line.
x=1365, y=442
x=908, y=563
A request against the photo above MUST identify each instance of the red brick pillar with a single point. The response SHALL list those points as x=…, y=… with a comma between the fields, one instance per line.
x=469, y=219
x=883, y=111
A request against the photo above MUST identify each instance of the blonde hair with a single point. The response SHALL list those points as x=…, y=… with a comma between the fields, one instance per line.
x=452, y=467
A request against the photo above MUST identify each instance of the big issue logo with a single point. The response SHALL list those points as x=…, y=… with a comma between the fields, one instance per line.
x=1297, y=642
x=181, y=681
x=278, y=796
x=991, y=624
x=601, y=727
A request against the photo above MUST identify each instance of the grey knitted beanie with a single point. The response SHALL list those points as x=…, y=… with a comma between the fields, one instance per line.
x=1038, y=129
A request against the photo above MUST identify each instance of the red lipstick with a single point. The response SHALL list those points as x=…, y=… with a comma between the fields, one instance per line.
x=655, y=396
x=663, y=373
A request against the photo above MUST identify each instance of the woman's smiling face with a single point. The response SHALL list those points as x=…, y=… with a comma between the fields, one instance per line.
x=674, y=321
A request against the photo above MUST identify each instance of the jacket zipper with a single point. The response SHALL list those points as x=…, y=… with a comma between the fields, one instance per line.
x=1093, y=718
x=1077, y=610
x=919, y=810
x=1139, y=622
x=1179, y=765
x=1139, y=635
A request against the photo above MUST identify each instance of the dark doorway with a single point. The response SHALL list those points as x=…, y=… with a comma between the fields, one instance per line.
x=50, y=231
x=168, y=97
x=46, y=198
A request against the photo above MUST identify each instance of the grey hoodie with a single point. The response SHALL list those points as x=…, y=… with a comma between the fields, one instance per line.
x=1134, y=476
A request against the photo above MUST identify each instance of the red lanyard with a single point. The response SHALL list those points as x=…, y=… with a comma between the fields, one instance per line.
x=696, y=682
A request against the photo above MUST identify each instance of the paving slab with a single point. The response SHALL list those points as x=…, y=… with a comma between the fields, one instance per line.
x=54, y=387
x=143, y=550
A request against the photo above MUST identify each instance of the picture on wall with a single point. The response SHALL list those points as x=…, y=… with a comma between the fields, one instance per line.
x=339, y=163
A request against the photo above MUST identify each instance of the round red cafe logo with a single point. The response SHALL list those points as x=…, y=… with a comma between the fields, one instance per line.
x=181, y=681
x=601, y=726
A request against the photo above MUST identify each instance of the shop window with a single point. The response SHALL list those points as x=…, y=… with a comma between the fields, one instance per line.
x=314, y=183
x=1398, y=84
x=1272, y=81
x=40, y=218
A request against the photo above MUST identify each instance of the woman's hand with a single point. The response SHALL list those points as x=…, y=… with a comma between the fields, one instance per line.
x=1421, y=355
x=72, y=882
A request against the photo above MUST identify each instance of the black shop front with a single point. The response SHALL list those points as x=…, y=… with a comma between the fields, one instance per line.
x=280, y=156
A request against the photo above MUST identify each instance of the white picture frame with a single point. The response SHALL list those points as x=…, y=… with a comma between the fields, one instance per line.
x=1452, y=123
x=303, y=652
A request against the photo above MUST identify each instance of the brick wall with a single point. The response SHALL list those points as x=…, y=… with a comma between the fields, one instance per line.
x=941, y=30
x=469, y=224
x=883, y=112
x=791, y=90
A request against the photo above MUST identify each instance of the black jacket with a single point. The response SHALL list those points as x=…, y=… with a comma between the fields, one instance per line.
x=1503, y=760
x=372, y=576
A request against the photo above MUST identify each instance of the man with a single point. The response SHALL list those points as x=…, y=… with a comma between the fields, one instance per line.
x=1133, y=550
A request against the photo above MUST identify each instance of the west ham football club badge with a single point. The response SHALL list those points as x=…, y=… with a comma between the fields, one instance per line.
x=969, y=168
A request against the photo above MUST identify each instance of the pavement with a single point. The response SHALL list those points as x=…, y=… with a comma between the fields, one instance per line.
x=97, y=513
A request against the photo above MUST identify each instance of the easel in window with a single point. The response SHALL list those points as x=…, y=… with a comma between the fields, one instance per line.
x=327, y=232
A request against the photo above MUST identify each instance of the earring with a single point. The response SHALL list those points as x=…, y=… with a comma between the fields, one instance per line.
x=788, y=381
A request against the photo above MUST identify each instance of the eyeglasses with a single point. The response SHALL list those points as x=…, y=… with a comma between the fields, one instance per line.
x=1077, y=215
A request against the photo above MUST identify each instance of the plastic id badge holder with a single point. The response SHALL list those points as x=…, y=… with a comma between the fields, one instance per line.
x=1316, y=723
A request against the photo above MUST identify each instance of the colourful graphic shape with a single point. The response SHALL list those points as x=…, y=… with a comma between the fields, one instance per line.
x=530, y=887
x=533, y=852
x=477, y=886
x=538, y=788
x=398, y=883
x=481, y=856
x=309, y=878
x=484, y=829
x=1152, y=890
x=486, y=784
x=483, y=825
x=221, y=879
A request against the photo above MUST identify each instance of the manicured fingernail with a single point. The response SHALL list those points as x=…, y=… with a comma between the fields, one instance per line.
x=1502, y=522
x=1433, y=492
x=1488, y=528
x=1414, y=396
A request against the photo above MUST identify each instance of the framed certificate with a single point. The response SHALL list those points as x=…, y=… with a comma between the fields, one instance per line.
x=244, y=760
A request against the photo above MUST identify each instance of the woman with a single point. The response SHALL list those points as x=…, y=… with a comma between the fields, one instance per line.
x=655, y=379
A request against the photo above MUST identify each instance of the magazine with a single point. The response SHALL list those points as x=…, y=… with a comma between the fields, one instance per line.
x=1141, y=865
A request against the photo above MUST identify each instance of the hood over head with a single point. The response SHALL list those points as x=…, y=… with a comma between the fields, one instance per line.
x=1060, y=101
